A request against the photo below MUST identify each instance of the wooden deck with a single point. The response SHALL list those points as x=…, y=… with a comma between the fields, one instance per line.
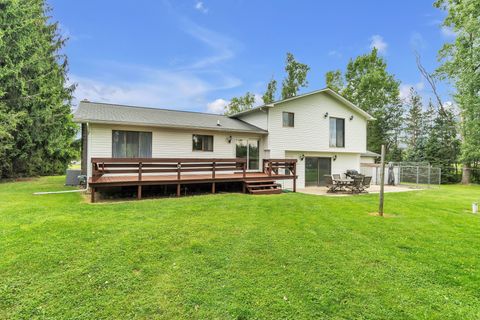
x=119, y=172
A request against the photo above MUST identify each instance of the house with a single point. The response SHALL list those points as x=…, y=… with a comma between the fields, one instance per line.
x=323, y=131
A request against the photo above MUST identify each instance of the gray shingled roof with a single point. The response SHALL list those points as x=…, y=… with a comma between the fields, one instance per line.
x=95, y=112
x=370, y=154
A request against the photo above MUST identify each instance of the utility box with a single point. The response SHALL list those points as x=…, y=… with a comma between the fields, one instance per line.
x=72, y=177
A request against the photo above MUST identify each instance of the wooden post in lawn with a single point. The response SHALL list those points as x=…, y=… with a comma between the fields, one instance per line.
x=382, y=181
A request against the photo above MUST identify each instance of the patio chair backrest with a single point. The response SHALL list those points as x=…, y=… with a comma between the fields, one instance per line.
x=336, y=176
x=328, y=181
x=357, y=181
x=367, y=181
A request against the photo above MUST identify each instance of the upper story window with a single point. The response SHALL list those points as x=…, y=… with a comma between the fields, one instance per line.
x=131, y=144
x=202, y=143
x=337, y=132
x=288, y=119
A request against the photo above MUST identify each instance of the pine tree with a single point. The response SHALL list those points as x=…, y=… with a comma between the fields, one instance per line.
x=34, y=96
x=415, y=130
x=443, y=145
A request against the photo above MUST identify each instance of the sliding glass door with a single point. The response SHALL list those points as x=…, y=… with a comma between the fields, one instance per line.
x=249, y=149
x=316, y=169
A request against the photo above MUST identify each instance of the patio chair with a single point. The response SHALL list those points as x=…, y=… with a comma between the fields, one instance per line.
x=336, y=176
x=366, y=184
x=356, y=185
x=331, y=186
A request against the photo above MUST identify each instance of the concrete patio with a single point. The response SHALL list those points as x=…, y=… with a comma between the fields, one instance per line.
x=374, y=189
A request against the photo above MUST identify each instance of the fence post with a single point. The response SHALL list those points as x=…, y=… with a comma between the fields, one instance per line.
x=429, y=168
x=417, y=175
x=382, y=182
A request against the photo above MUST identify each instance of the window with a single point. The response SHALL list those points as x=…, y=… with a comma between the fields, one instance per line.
x=202, y=143
x=337, y=132
x=288, y=119
x=131, y=144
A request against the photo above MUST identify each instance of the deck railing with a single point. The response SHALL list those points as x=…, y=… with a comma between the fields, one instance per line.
x=140, y=166
x=272, y=167
x=175, y=167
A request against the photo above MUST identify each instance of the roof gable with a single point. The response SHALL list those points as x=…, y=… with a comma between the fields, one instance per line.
x=321, y=91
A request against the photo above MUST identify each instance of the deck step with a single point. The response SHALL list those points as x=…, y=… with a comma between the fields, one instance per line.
x=266, y=191
x=263, y=187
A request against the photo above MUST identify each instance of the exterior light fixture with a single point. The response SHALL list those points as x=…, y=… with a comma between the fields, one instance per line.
x=351, y=117
x=334, y=157
x=229, y=139
x=325, y=115
x=302, y=156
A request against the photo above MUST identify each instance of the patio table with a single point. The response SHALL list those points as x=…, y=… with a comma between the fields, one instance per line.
x=342, y=183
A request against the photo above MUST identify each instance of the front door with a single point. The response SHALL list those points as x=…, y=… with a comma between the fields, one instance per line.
x=316, y=169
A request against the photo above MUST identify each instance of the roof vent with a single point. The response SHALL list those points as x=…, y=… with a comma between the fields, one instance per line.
x=218, y=123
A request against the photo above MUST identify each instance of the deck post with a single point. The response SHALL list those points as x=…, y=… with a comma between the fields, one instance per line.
x=179, y=165
x=244, y=189
x=295, y=177
x=92, y=194
x=139, y=192
x=140, y=171
x=244, y=166
x=213, y=187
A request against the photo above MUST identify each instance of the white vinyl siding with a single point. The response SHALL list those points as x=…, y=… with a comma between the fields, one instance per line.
x=167, y=143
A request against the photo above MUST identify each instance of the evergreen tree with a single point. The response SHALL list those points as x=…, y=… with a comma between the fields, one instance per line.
x=35, y=99
x=367, y=84
x=269, y=95
x=296, y=77
x=443, y=145
x=239, y=104
x=415, y=131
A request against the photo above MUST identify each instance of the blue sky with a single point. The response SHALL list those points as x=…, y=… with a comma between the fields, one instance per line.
x=196, y=55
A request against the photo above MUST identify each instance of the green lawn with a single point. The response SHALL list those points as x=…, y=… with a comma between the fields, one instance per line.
x=236, y=256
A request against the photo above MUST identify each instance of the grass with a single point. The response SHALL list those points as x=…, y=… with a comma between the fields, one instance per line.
x=234, y=256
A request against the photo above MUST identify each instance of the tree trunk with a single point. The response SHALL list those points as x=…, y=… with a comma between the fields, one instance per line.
x=466, y=174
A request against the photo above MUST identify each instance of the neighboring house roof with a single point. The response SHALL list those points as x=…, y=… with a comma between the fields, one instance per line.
x=370, y=154
x=96, y=112
x=325, y=90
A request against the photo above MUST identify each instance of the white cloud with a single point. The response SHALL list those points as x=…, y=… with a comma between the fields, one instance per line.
x=222, y=46
x=378, y=42
x=217, y=106
x=186, y=86
x=447, y=32
x=199, y=5
x=405, y=89
x=152, y=87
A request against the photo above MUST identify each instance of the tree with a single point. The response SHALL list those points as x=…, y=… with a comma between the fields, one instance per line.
x=443, y=146
x=239, y=104
x=35, y=100
x=269, y=95
x=415, y=131
x=461, y=65
x=334, y=80
x=296, y=77
x=367, y=84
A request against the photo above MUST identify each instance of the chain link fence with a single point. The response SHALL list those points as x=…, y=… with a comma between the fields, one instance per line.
x=421, y=175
